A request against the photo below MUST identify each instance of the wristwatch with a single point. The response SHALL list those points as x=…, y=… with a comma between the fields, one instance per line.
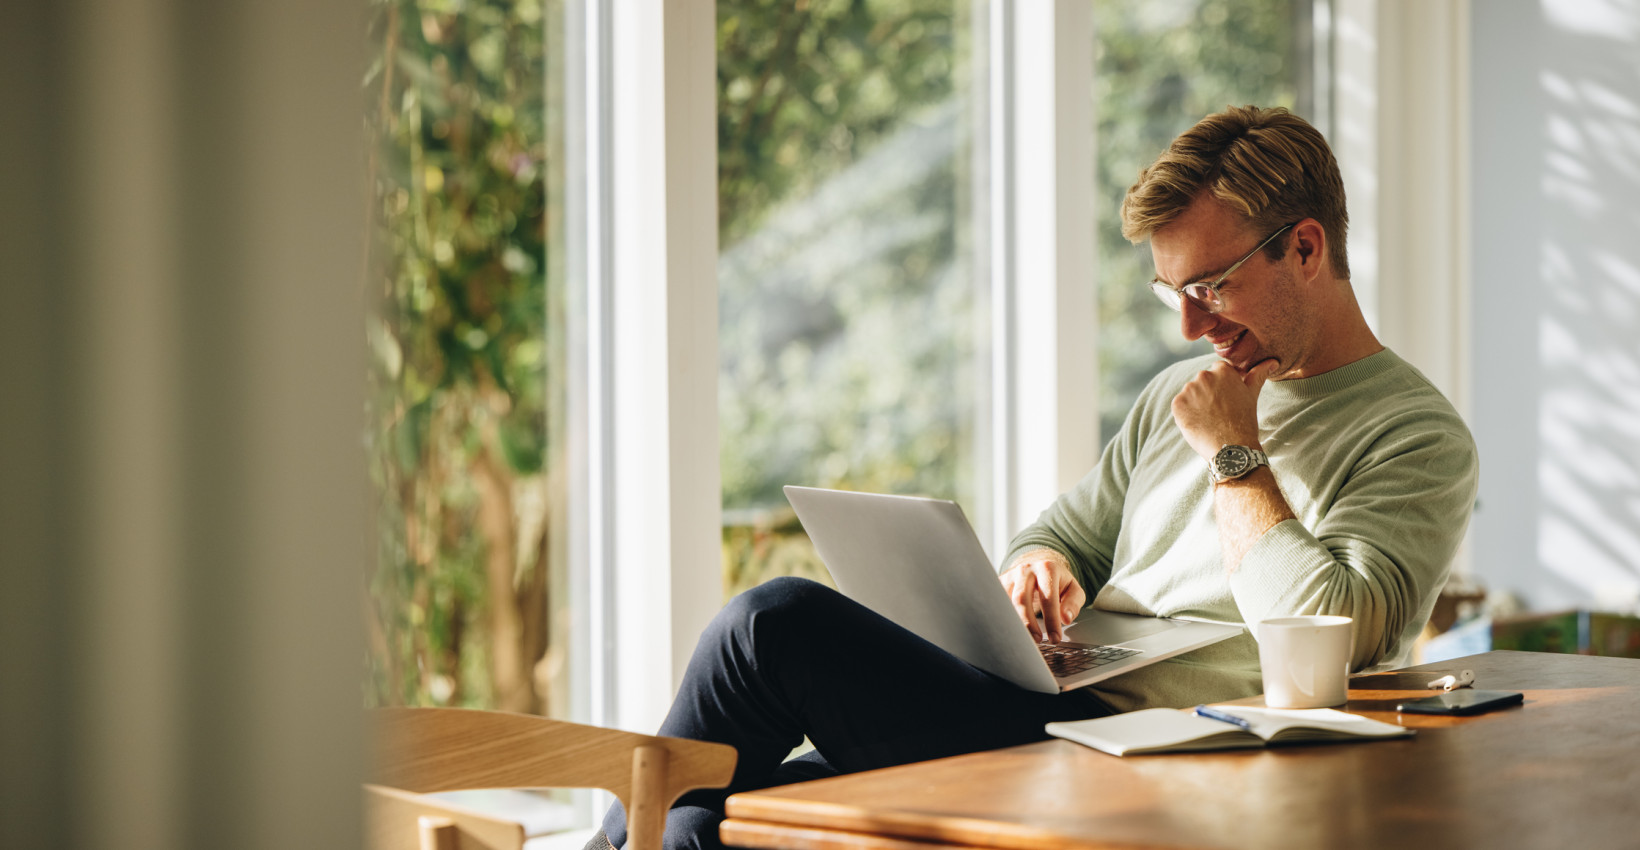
x=1234, y=462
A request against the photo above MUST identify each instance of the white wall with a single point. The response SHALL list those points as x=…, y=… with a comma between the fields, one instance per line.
x=1556, y=317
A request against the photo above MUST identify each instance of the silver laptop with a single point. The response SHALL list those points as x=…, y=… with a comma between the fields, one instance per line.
x=918, y=562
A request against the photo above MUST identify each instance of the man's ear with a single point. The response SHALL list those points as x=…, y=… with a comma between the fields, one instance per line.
x=1310, y=246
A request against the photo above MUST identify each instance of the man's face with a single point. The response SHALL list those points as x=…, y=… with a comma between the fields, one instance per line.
x=1265, y=314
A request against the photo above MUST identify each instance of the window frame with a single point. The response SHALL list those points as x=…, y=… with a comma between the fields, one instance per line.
x=646, y=555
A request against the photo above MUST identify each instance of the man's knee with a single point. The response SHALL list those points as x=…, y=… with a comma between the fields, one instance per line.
x=786, y=599
x=775, y=611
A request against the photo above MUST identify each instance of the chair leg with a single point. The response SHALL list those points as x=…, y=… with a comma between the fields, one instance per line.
x=646, y=816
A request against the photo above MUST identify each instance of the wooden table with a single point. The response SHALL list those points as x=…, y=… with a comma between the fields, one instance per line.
x=1563, y=770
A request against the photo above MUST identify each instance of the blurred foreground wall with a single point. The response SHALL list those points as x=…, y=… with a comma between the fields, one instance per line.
x=182, y=506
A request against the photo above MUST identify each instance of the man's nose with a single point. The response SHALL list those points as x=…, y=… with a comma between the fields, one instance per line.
x=1193, y=320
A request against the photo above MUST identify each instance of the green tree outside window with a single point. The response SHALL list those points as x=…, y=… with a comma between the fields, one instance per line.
x=466, y=417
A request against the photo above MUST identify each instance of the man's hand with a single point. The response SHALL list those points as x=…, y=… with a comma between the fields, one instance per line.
x=1219, y=407
x=1040, y=583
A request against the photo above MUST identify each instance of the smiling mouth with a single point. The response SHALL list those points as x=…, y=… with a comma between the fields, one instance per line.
x=1222, y=348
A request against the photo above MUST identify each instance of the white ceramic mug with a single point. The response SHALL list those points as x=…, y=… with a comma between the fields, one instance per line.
x=1306, y=661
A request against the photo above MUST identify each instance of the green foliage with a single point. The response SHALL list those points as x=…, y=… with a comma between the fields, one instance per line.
x=1161, y=66
x=771, y=545
x=846, y=307
x=804, y=88
x=462, y=347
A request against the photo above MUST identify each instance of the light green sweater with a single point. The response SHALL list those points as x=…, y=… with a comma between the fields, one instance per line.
x=1377, y=466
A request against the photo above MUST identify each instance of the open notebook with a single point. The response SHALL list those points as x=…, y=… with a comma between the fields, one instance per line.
x=1169, y=730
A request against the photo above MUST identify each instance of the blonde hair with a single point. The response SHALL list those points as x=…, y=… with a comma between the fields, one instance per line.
x=1268, y=164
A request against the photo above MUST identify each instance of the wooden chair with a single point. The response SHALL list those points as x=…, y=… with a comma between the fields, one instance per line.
x=424, y=750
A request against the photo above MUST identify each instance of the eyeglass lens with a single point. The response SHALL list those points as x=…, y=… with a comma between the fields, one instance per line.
x=1203, y=295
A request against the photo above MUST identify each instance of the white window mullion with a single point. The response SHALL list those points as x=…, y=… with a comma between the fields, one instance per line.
x=997, y=229
x=1052, y=371
x=1355, y=140
x=1401, y=136
x=1423, y=225
x=587, y=238
x=666, y=499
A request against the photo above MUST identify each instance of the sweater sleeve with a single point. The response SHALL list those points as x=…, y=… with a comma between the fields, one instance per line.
x=1382, y=551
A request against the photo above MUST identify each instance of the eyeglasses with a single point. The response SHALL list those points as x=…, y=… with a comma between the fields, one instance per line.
x=1206, y=296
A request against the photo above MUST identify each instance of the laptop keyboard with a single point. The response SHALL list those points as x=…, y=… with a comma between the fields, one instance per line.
x=1069, y=659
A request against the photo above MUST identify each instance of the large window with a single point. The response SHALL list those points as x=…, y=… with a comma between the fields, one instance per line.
x=852, y=318
x=467, y=602
x=1159, y=67
x=855, y=303
x=860, y=147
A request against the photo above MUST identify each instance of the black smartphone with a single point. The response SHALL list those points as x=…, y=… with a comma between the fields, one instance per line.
x=1462, y=701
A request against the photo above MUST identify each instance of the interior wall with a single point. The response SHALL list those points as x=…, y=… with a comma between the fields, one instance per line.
x=1556, y=307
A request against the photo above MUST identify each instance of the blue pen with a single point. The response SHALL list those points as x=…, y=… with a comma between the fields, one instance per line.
x=1214, y=714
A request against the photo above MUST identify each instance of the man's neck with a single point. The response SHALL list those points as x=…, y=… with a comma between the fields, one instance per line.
x=1344, y=339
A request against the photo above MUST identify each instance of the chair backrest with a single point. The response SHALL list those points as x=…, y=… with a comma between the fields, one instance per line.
x=424, y=750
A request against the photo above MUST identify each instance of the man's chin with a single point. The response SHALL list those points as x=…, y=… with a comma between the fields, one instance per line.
x=1243, y=365
x=1276, y=367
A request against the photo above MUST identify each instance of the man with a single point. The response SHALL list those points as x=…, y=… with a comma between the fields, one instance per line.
x=1370, y=475
x=1301, y=468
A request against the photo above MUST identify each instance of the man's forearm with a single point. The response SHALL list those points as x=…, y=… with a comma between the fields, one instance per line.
x=1245, y=508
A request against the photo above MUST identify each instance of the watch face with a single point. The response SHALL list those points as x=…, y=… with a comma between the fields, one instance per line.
x=1232, y=461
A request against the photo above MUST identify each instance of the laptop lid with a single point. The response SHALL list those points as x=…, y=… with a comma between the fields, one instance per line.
x=918, y=562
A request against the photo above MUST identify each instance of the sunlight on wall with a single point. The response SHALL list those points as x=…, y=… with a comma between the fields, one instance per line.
x=1588, y=467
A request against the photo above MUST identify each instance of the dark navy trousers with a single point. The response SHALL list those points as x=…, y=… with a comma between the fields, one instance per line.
x=791, y=658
